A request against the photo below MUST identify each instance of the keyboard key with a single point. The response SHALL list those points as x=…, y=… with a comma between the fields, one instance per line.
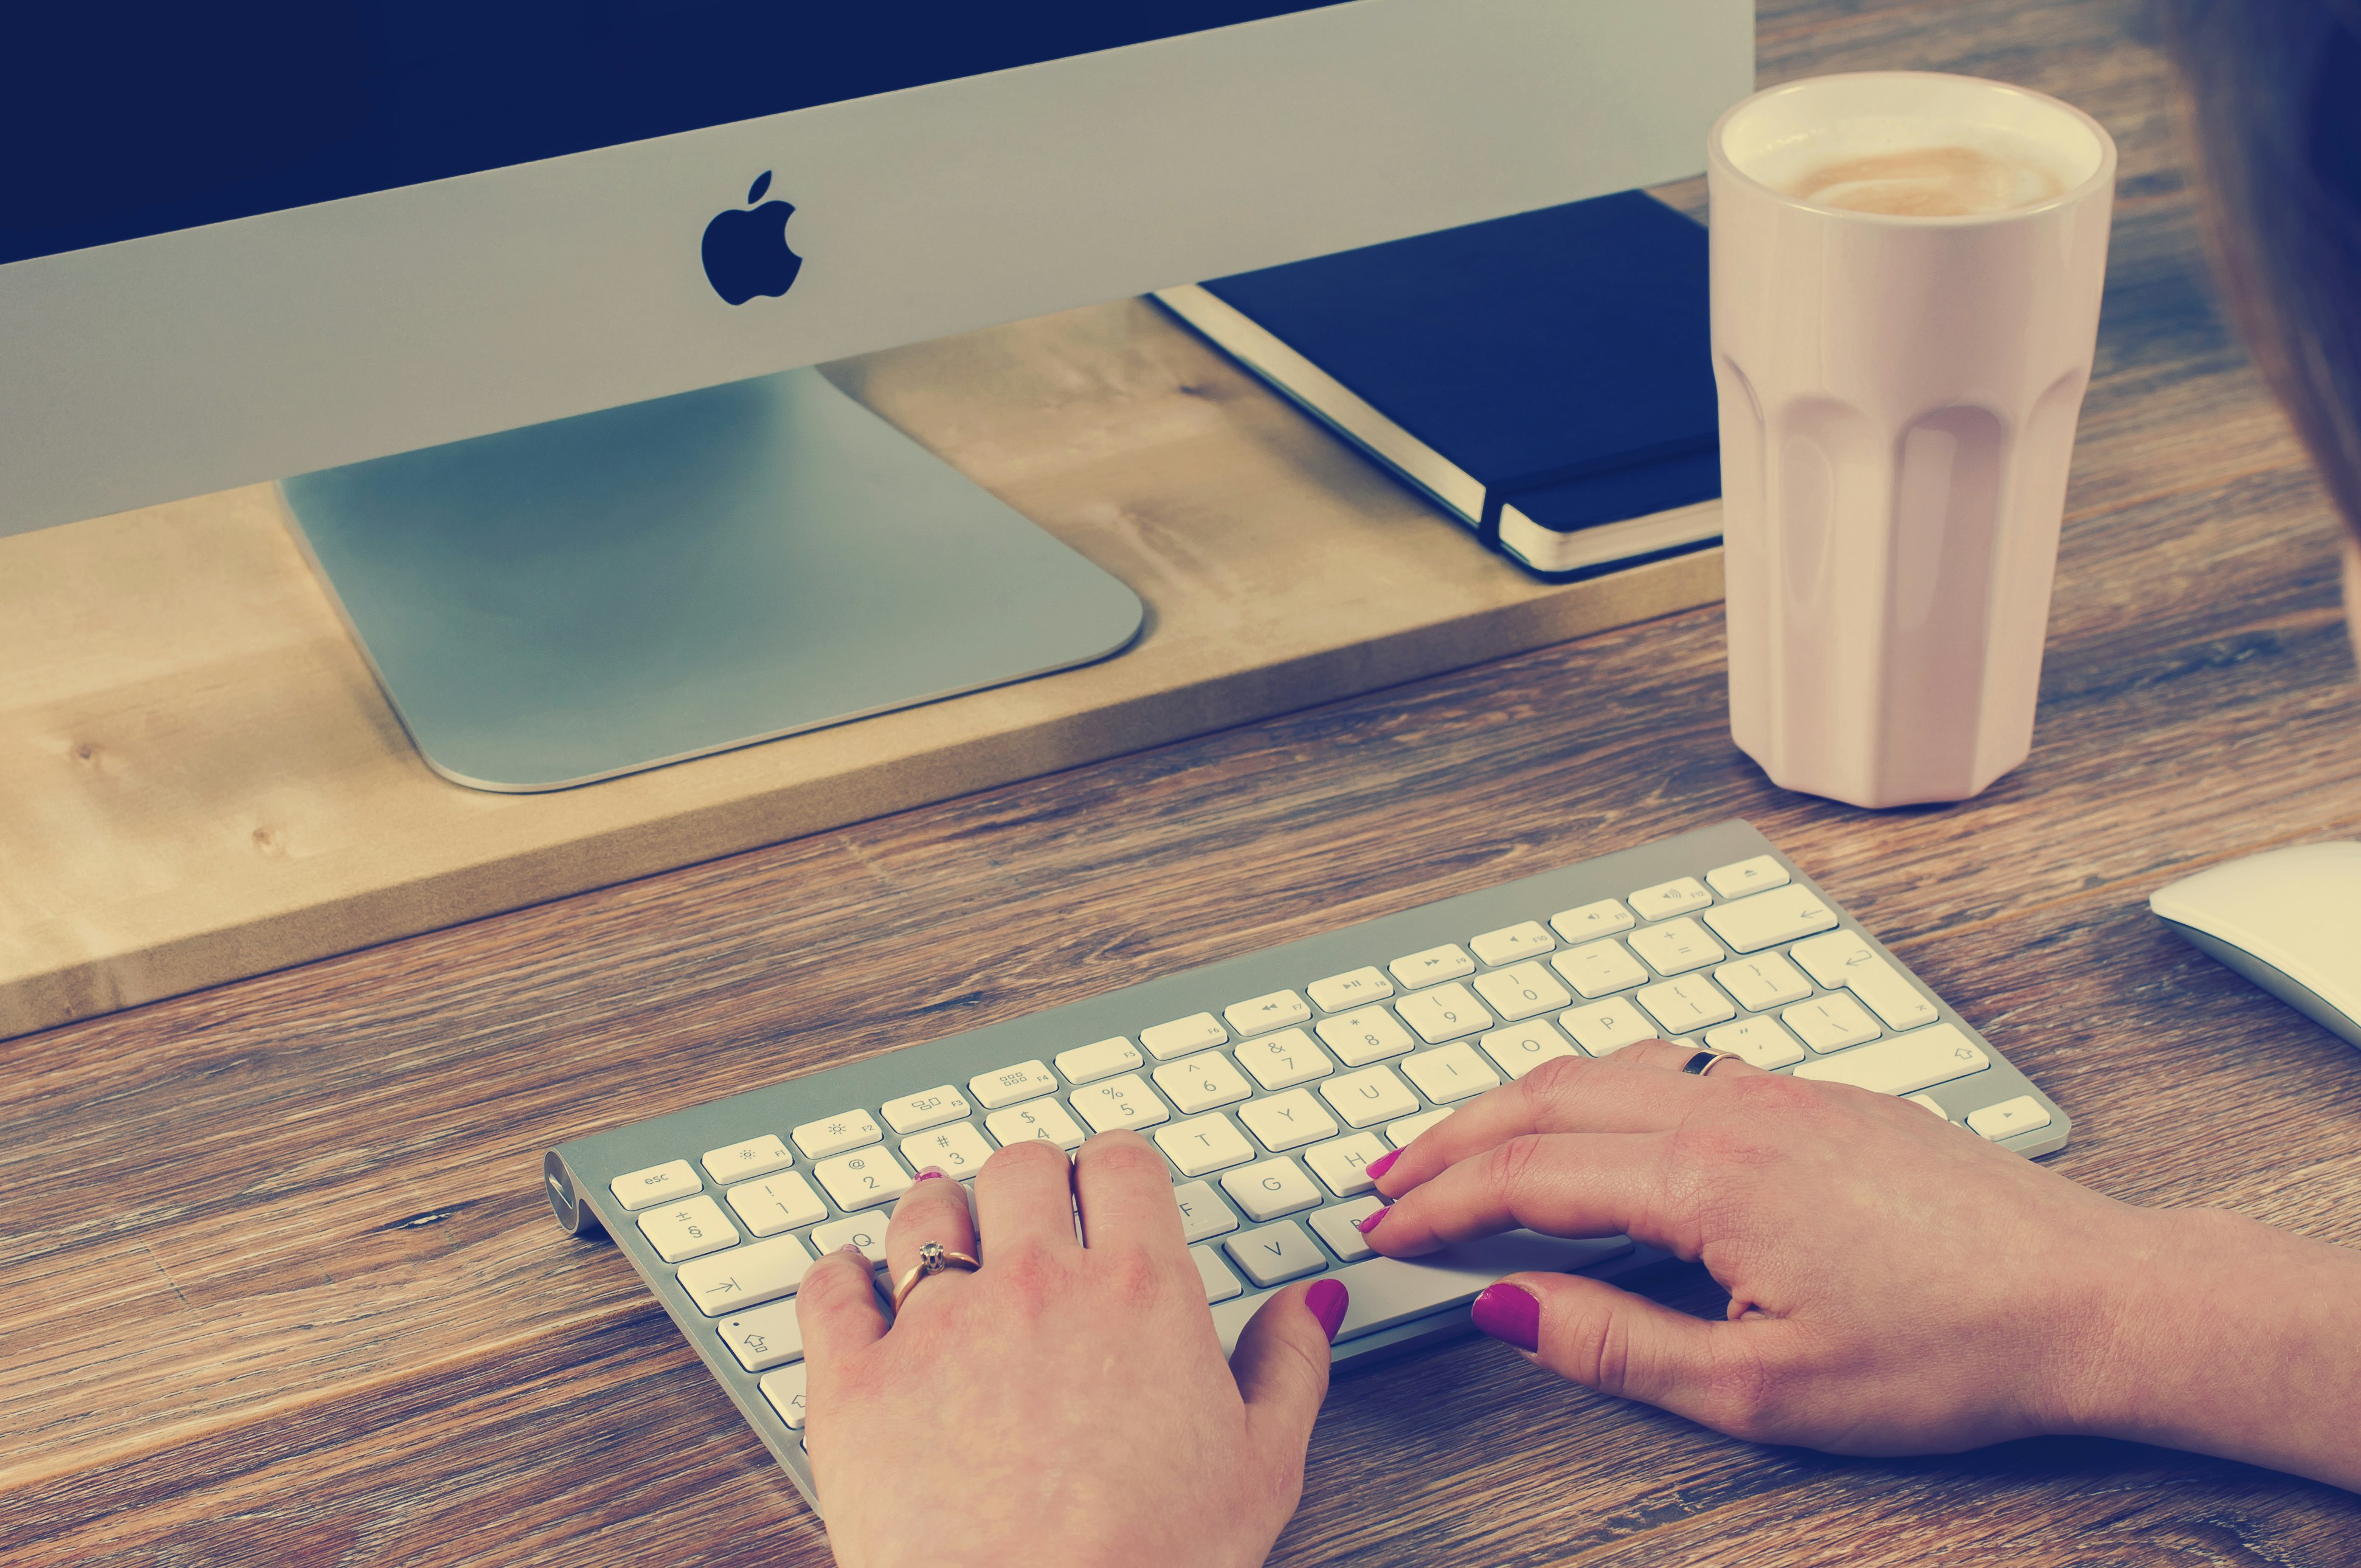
x=1205, y=1144
x=1011, y=1084
x=1666, y=899
x=863, y=1180
x=917, y=1112
x=1764, y=982
x=1434, y=965
x=1527, y=991
x=1767, y=918
x=1451, y=1073
x=866, y=1232
x=1288, y=1121
x=1403, y=1133
x=1520, y=1048
x=1178, y=1039
x=1386, y=1290
x=755, y=1156
x=1605, y=1027
x=1201, y=1213
x=759, y=1271
x=1203, y=1083
x=1219, y=1283
x=1371, y=1034
x=1826, y=957
x=765, y=1337
x=1088, y=1064
x=776, y=1203
x=1904, y=1064
x=1339, y=991
x=1369, y=1096
x=2022, y=1114
x=1846, y=960
x=1599, y=968
x=690, y=1228
x=958, y=1151
x=1681, y=1006
x=1341, y=1165
x=1603, y=918
x=834, y=1134
x=1339, y=1226
x=1929, y=1103
x=1125, y=1102
x=639, y=1189
x=1509, y=943
x=1759, y=1041
x=1042, y=1121
x=1830, y=1023
x=1270, y=1188
x=1276, y=1011
x=784, y=1389
x=1289, y=1057
x=1748, y=876
x=1677, y=947
x=1444, y=1014
x=1276, y=1253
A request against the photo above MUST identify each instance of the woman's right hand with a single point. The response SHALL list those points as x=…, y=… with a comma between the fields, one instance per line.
x=1897, y=1284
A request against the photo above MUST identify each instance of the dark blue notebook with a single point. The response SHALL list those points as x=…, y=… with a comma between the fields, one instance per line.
x=1547, y=377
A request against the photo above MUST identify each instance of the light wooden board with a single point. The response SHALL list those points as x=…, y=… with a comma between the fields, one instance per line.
x=199, y=779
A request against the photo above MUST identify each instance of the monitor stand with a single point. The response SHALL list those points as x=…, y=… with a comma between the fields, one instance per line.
x=575, y=600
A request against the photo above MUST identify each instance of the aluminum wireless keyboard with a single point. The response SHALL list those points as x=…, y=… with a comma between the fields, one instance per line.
x=1271, y=1081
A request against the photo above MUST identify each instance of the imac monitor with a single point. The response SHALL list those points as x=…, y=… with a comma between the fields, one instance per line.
x=519, y=300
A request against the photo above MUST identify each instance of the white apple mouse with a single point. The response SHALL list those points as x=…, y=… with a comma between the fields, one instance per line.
x=2289, y=920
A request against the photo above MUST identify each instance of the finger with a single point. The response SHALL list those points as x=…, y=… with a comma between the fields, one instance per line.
x=1125, y=1190
x=1622, y=1093
x=837, y=1311
x=1562, y=1184
x=1281, y=1367
x=1025, y=1193
x=1604, y=1338
x=934, y=1209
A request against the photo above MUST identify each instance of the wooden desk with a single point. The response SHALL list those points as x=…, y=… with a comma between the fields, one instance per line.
x=279, y=1288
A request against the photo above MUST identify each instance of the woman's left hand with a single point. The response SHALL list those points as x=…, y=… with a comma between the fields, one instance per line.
x=1063, y=1403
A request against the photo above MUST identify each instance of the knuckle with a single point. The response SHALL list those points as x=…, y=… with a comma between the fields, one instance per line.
x=1126, y=1154
x=1742, y=1394
x=1600, y=1354
x=1553, y=1082
x=1016, y=1157
x=1029, y=1274
x=1134, y=1277
x=1509, y=1168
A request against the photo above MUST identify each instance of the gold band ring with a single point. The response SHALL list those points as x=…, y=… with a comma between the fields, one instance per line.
x=932, y=1259
x=1703, y=1062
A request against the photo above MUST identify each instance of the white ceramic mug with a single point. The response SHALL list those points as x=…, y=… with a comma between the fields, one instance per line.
x=1898, y=401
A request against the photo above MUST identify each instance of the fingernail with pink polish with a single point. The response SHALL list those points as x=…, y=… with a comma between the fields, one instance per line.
x=853, y=1249
x=1511, y=1313
x=932, y=1173
x=1368, y=1221
x=1382, y=1164
x=1328, y=1299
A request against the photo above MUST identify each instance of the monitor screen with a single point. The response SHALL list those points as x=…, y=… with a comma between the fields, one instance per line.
x=150, y=117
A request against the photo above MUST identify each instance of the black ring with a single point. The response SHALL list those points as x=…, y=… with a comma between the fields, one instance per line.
x=1701, y=1063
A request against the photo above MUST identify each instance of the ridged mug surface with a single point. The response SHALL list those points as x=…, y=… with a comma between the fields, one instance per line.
x=1898, y=404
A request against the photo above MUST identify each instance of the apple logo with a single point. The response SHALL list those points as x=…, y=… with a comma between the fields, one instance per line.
x=746, y=249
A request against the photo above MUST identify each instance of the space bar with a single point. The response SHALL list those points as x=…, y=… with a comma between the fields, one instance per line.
x=1386, y=1291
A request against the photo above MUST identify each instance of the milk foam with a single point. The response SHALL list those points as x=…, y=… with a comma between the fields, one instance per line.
x=1910, y=167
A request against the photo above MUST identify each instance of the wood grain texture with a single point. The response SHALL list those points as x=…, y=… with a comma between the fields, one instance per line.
x=281, y=1289
x=200, y=781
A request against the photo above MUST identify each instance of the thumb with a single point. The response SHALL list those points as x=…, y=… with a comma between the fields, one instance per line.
x=1607, y=1339
x=1281, y=1366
